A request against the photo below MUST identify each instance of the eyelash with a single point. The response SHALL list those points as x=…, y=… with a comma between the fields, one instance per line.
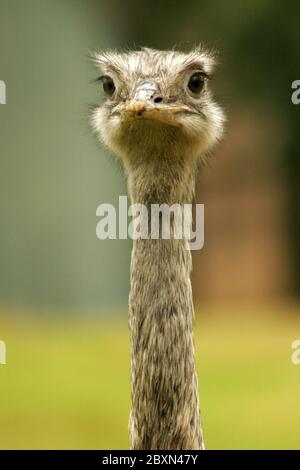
x=100, y=78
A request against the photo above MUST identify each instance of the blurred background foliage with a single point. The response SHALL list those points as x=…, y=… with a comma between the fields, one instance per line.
x=63, y=293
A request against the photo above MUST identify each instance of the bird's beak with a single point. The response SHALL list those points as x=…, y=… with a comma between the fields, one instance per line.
x=144, y=104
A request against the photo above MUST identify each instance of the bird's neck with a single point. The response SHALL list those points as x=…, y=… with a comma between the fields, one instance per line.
x=165, y=405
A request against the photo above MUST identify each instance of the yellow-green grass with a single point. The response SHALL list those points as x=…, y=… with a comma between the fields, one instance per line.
x=66, y=382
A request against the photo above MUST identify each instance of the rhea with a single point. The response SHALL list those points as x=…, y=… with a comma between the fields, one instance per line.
x=160, y=119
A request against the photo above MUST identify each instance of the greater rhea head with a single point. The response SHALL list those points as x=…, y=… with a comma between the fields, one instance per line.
x=158, y=103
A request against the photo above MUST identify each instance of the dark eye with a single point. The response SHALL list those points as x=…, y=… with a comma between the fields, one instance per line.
x=108, y=85
x=196, y=82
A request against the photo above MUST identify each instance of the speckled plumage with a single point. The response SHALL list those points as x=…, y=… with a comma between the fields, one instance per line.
x=160, y=146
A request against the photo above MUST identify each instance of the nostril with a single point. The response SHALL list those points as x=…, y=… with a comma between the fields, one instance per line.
x=158, y=99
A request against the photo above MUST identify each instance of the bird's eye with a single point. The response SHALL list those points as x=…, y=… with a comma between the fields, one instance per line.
x=108, y=85
x=196, y=83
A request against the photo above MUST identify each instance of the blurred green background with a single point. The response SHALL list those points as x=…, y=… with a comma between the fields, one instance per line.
x=63, y=293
